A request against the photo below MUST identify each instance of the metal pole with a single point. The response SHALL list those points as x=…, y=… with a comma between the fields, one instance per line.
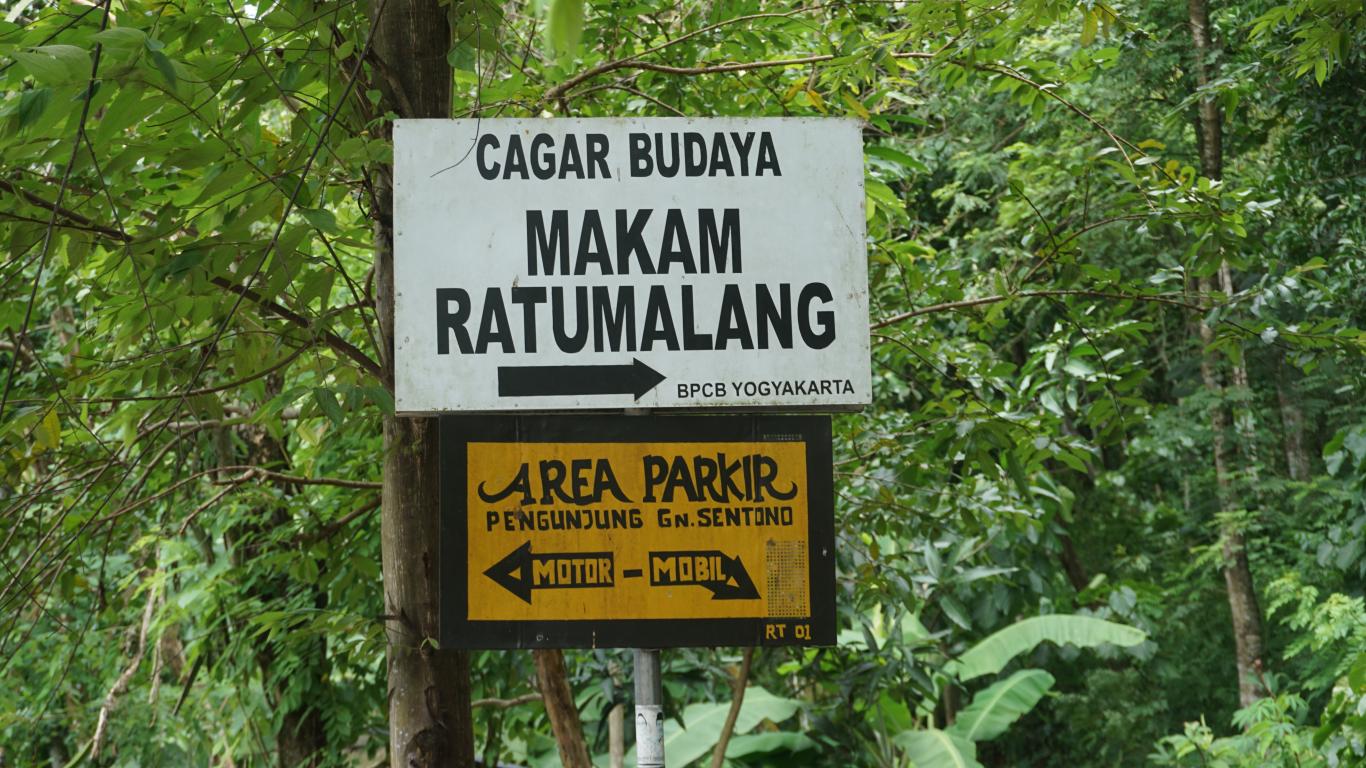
x=649, y=710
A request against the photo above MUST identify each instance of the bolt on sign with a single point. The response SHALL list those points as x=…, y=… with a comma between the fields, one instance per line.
x=667, y=531
x=607, y=263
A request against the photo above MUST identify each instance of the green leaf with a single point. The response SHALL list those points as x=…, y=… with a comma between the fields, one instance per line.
x=995, y=708
x=955, y=611
x=933, y=748
x=992, y=654
x=564, y=28
x=779, y=742
x=321, y=218
x=1090, y=24
x=327, y=401
x=32, y=104
x=186, y=261
x=56, y=64
x=896, y=156
x=705, y=720
x=48, y=434
x=120, y=38
x=1078, y=367
x=381, y=397
x=165, y=67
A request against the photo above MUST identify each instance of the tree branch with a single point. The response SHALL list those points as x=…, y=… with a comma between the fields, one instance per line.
x=526, y=698
x=329, y=338
x=331, y=528
x=80, y=221
x=969, y=303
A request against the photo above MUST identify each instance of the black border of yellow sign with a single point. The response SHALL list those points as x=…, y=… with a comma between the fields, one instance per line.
x=459, y=631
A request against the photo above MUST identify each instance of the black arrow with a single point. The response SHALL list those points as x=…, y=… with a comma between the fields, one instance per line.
x=521, y=571
x=548, y=380
x=725, y=577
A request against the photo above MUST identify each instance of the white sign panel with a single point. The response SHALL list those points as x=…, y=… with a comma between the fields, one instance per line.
x=550, y=264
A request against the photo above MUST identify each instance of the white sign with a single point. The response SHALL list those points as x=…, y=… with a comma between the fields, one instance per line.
x=550, y=264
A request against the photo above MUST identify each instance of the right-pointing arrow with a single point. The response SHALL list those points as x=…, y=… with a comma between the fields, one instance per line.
x=556, y=380
x=724, y=576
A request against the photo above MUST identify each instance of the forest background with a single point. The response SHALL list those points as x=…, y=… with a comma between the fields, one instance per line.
x=1107, y=508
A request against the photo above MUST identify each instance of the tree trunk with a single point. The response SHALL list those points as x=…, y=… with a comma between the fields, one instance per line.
x=616, y=737
x=737, y=700
x=1242, y=596
x=430, y=723
x=1292, y=427
x=559, y=706
x=301, y=740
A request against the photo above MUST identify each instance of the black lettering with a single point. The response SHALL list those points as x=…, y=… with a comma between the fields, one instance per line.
x=543, y=156
x=768, y=157
x=564, y=341
x=516, y=160
x=654, y=468
x=641, y=164
x=659, y=321
x=742, y=146
x=824, y=318
x=611, y=325
x=520, y=482
x=528, y=298
x=552, y=481
x=447, y=321
x=630, y=239
x=547, y=244
x=734, y=325
x=694, y=154
x=681, y=478
x=493, y=324
x=705, y=469
x=605, y=480
x=692, y=340
x=592, y=245
x=570, y=162
x=597, y=155
x=720, y=156
x=777, y=316
x=489, y=172
x=725, y=243
x=765, y=472
x=676, y=247
x=579, y=482
x=666, y=169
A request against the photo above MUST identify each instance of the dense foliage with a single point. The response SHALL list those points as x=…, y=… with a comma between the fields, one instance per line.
x=192, y=397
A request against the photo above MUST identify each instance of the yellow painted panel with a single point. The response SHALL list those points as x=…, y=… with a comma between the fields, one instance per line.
x=575, y=531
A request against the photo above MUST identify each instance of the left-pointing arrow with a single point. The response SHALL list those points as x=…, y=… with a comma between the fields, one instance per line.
x=522, y=571
x=550, y=380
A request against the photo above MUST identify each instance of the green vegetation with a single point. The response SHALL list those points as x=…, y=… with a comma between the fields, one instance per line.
x=1108, y=509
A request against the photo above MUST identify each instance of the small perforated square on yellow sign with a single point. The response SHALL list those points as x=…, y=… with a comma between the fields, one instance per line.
x=628, y=531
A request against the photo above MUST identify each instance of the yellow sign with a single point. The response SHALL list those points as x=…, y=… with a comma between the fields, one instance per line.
x=576, y=530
